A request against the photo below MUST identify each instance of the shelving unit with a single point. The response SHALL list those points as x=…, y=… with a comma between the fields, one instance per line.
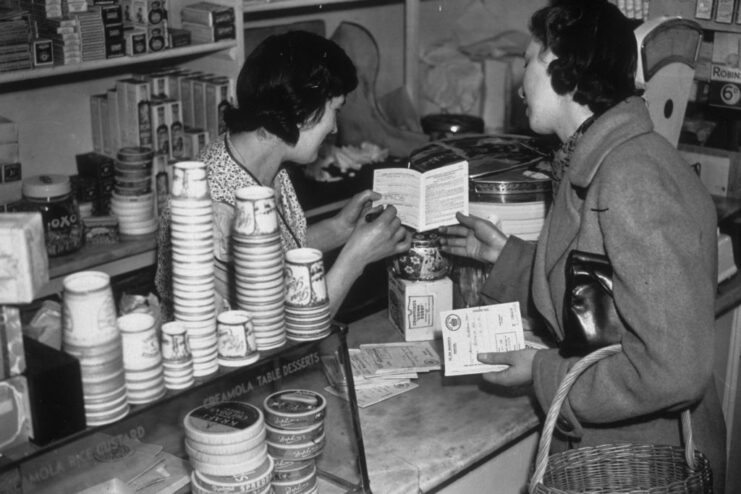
x=81, y=68
x=686, y=10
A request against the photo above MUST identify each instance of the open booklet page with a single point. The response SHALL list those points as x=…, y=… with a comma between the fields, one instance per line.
x=425, y=200
x=445, y=192
x=400, y=187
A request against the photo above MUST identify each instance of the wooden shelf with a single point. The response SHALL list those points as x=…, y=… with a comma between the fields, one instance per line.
x=686, y=10
x=277, y=5
x=58, y=70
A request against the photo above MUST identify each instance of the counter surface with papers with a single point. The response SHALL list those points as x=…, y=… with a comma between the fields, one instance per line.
x=441, y=430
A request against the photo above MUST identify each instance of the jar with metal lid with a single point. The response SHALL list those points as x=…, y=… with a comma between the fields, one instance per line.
x=52, y=196
x=424, y=260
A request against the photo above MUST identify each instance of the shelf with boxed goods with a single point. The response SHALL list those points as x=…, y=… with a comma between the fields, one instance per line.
x=714, y=15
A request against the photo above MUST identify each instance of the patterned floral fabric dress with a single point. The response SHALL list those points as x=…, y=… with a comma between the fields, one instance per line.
x=225, y=176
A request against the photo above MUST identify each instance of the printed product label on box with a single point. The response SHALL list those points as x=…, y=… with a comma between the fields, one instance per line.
x=725, y=86
x=419, y=311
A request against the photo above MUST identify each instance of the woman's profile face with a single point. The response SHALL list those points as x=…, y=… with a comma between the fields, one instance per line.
x=311, y=136
x=539, y=96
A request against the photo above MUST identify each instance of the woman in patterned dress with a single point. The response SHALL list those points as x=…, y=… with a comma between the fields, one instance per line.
x=289, y=92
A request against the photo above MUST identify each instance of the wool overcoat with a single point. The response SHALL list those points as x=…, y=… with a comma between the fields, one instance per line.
x=629, y=194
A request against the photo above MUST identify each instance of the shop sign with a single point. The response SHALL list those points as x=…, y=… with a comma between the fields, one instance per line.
x=725, y=86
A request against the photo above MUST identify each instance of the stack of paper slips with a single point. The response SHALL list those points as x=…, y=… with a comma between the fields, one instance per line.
x=382, y=370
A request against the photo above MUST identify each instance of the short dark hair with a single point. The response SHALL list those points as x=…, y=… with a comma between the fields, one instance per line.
x=596, y=49
x=287, y=81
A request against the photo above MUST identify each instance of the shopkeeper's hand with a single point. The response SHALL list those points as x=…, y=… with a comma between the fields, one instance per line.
x=474, y=237
x=378, y=236
x=355, y=209
x=519, y=372
x=335, y=231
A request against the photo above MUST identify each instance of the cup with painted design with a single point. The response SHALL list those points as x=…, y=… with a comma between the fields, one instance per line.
x=306, y=285
x=256, y=213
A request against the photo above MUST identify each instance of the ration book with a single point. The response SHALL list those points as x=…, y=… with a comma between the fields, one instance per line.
x=468, y=332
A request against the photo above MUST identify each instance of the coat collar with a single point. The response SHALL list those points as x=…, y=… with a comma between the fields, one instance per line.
x=624, y=121
x=620, y=123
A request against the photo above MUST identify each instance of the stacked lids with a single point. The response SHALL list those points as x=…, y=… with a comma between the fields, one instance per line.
x=142, y=359
x=132, y=200
x=191, y=232
x=295, y=438
x=91, y=334
x=226, y=446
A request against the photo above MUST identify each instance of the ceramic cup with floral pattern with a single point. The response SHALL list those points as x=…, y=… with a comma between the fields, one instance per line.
x=423, y=261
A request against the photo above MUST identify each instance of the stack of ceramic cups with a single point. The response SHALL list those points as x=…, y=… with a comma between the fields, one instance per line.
x=295, y=437
x=237, y=344
x=191, y=231
x=308, y=315
x=142, y=359
x=90, y=333
x=258, y=264
x=132, y=200
x=226, y=447
x=177, y=361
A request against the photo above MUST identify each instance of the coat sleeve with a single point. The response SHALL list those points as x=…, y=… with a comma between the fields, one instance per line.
x=658, y=231
x=509, y=278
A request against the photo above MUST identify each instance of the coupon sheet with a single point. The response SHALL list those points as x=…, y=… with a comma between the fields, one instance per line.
x=468, y=332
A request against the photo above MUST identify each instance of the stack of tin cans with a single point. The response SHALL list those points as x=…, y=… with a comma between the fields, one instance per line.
x=295, y=438
x=132, y=200
x=226, y=447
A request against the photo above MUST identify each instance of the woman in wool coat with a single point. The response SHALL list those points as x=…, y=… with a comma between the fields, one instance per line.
x=623, y=191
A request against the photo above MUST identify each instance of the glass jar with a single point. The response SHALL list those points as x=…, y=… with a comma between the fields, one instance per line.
x=51, y=195
x=424, y=260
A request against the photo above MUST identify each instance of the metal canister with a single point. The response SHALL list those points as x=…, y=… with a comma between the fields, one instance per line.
x=516, y=200
x=52, y=196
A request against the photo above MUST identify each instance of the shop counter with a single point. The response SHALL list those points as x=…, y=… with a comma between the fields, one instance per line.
x=448, y=431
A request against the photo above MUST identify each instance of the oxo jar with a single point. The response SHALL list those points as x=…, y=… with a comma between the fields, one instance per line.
x=51, y=195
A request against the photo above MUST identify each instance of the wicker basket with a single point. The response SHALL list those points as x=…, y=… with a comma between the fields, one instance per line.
x=617, y=468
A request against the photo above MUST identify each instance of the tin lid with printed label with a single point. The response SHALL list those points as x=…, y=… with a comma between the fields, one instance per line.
x=223, y=423
x=44, y=186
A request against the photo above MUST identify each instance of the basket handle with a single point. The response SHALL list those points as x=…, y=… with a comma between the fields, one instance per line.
x=544, y=446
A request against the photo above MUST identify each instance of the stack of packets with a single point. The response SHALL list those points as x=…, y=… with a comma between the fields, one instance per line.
x=489, y=328
x=382, y=370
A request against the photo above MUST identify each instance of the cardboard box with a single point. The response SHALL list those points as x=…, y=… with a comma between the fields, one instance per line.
x=12, y=353
x=217, y=99
x=160, y=130
x=195, y=141
x=414, y=306
x=725, y=86
x=55, y=392
x=8, y=131
x=24, y=264
x=95, y=165
x=720, y=170
x=135, y=41
x=15, y=413
x=9, y=153
x=96, y=120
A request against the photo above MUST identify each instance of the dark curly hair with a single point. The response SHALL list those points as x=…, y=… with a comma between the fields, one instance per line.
x=287, y=81
x=596, y=50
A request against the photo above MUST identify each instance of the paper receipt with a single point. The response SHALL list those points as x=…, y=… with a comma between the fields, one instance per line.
x=467, y=332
